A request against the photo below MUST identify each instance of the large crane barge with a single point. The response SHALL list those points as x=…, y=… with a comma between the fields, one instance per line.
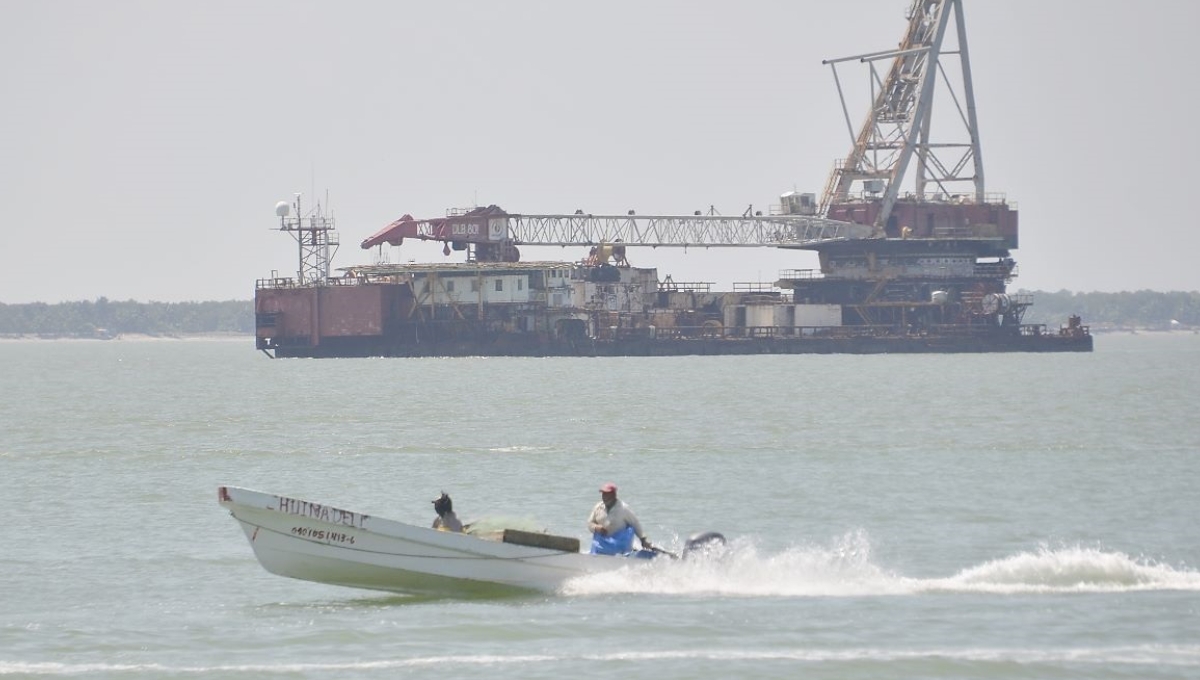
x=900, y=271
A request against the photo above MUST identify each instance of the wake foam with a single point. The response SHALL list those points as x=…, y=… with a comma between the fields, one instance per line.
x=846, y=569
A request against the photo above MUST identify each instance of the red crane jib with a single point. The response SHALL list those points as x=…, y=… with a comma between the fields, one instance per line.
x=471, y=226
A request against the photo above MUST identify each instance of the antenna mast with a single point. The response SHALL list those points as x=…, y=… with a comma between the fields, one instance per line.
x=316, y=238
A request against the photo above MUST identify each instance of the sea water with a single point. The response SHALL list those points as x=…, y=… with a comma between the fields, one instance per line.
x=950, y=516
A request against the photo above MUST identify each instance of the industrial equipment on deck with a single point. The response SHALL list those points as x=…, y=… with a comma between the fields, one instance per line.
x=919, y=271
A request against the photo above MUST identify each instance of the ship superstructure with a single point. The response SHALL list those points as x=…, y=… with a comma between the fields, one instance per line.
x=920, y=270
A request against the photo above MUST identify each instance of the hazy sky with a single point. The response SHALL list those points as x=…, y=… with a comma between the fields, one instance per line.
x=143, y=145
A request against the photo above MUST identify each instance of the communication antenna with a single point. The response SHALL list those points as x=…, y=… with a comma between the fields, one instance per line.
x=316, y=238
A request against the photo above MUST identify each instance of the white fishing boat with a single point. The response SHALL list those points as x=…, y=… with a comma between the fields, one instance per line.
x=319, y=542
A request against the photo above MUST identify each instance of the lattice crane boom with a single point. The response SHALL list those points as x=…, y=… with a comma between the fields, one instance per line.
x=493, y=225
x=898, y=125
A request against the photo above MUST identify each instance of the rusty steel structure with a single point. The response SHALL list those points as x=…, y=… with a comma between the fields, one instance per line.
x=898, y=124
x=922, y=270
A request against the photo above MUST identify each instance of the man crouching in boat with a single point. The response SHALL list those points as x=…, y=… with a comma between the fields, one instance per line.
x=446, y=519
x=613, y=525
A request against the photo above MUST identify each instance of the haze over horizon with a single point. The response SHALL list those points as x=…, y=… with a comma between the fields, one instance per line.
x=144, y=145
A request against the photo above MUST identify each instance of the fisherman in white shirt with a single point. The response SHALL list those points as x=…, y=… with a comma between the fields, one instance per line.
x=611, y=516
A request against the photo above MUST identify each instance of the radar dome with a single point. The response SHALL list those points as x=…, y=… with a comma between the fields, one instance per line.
x=282, y=209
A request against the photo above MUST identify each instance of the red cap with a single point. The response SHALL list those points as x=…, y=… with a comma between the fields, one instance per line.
x=609, y=487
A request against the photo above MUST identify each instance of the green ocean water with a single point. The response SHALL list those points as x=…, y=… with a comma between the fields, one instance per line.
x=995, y=516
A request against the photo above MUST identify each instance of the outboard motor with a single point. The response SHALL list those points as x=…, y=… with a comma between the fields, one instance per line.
x=703, y=544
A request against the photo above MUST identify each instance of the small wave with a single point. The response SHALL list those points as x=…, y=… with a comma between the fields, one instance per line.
x=846, y=568
x=517, y=449
x=1157, y=655
x=1071, y=569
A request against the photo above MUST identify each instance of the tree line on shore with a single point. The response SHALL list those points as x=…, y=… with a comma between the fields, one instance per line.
x=100, y=318
x=104, y=318
x=1142, y=309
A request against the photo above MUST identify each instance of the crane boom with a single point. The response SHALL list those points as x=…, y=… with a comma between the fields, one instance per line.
x=898, y=123
x=493, y=225
x=897, y=127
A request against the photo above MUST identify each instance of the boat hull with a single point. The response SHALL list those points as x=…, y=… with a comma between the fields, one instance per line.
x=316, y=542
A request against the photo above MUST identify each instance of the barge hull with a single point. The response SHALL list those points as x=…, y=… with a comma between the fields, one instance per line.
x=362, y=347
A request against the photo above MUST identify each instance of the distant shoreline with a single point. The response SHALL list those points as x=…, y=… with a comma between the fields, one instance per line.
x=130, y=337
